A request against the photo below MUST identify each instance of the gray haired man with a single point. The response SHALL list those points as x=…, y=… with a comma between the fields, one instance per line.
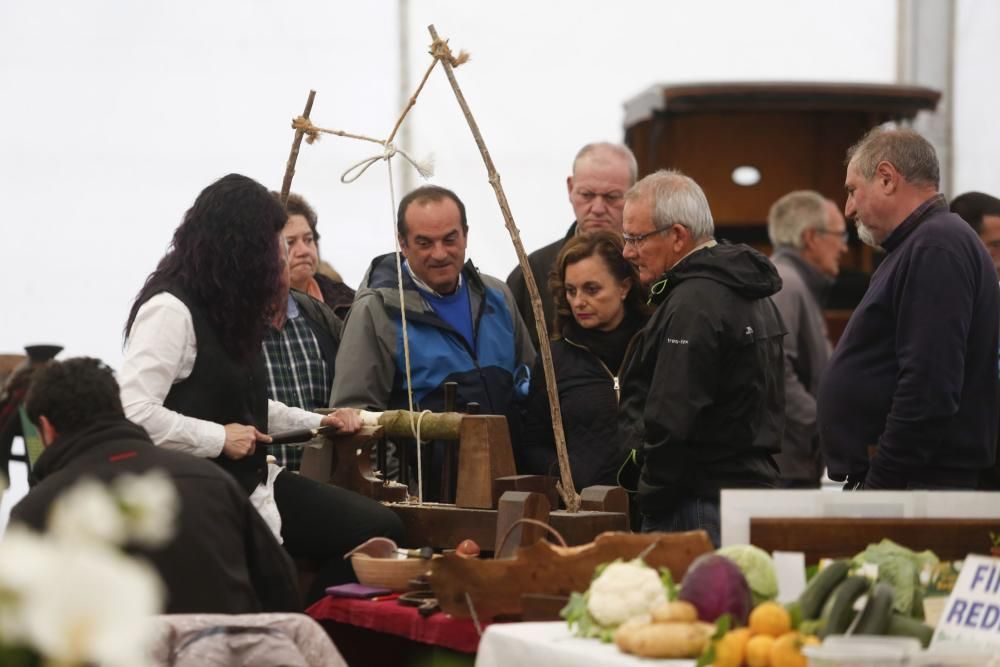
x=809, y=235
x=909, y=399
x=703, y=391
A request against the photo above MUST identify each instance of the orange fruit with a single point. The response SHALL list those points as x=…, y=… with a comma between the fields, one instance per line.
x=770, y=618
x=759, y=651
x=731, y=649
x=787, y=651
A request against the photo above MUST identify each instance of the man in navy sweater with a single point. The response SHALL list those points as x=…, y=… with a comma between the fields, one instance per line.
x=910, y=398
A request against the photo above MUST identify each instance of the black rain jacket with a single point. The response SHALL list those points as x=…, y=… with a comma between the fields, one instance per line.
x=703, y=393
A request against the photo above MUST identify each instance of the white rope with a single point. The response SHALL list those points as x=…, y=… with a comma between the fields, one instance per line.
x=472, y=612
x=425, y=168
x=415, y=429
x=420, y=456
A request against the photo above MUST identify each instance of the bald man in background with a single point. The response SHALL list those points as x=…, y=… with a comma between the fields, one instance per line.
x=602, y=173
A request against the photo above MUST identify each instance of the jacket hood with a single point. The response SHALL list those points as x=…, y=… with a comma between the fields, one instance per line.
x=381, y=280
x=739, y=267
x=88, y=443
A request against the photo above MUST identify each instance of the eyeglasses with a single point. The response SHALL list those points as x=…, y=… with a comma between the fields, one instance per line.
x=636, y=241
x=844, y=236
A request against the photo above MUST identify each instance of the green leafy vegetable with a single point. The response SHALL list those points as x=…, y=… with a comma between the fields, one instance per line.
x=758, y=568
x=722, y=626
x=668, y=583
x=899, y=567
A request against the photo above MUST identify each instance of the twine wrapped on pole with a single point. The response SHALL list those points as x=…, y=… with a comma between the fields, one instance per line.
x=440, y=51
x=293, y=156
x=399, y=424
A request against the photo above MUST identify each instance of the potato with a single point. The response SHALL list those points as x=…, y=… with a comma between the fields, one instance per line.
x=668, y=640
x=625, y=633
x=675, y=612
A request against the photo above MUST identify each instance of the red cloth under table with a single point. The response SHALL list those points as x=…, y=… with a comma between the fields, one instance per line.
x=389, y=616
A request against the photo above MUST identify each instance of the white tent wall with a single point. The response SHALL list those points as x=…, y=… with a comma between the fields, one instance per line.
x=976, y=132
x=115, y=114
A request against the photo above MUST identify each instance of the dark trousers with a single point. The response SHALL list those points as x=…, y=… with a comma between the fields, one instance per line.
x=689, y=514
x=321, y=523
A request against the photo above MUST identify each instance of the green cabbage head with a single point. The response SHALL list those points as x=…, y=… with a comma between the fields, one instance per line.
x=758, y=568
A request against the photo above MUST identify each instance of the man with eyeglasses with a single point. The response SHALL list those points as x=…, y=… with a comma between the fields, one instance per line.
x=809, y=235
x=602, y=172
x=910, y=397
x=703, y=392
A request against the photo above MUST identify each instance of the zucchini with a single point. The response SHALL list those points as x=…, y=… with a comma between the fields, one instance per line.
x=820, y=587
x=918, y=602
x=841, y=611
x=874, y=618
x=904, y=626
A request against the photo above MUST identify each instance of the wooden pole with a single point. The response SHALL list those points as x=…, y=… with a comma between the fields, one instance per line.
x=566, y=488
x=293, y=156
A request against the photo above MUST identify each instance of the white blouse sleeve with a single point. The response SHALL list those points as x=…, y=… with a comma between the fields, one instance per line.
x=160, y=351
x=281, y=417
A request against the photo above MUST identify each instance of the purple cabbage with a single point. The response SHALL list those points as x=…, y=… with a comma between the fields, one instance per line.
x=716, y=586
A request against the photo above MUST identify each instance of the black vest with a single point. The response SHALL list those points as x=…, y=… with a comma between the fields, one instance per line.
x=223, y=390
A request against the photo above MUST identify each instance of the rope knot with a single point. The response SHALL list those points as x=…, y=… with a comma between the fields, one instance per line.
x=305, y=125
x=425, y=168
x=441, y=51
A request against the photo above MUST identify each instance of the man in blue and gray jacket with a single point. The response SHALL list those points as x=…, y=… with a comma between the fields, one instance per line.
x=463, y=326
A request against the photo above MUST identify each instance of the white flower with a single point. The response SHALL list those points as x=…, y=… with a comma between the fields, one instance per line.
x=86, y=512
x=93, y=607
x=150, y=504
x=25, y=558
x=71, y=595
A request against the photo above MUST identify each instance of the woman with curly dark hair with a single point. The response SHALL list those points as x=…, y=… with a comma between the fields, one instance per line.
x=599, y=310
x=193, y=374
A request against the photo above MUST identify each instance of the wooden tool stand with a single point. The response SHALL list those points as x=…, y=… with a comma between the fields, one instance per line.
x=488, y=495
x=346, y=461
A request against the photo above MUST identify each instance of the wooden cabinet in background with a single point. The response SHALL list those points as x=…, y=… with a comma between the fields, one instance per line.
x=792, y=136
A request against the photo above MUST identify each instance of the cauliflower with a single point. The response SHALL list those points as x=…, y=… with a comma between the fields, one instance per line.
x=624, y=591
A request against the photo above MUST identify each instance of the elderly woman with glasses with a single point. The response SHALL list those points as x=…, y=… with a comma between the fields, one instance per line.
x=599, y=309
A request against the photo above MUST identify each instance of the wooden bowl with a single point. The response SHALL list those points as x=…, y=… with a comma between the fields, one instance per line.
x=392, y=573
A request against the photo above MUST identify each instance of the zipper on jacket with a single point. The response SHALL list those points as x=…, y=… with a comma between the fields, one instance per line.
x=615, y=383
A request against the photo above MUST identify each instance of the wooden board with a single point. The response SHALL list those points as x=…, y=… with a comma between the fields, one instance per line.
x=543, y=484
x=484, y=453
x=444, y=526
x=833, y=537
x=495, y=587
x=512, y=507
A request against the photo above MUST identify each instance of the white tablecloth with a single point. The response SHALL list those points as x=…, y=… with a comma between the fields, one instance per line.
x=552, y=645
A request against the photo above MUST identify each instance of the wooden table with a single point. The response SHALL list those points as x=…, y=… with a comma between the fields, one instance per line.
x=372, y=634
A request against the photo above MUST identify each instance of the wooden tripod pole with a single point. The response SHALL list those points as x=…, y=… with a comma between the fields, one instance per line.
x=293, y=156
x=566, y=488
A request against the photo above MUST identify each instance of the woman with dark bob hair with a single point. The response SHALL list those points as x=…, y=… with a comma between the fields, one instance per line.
x=599, y=310
x=193, y=374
